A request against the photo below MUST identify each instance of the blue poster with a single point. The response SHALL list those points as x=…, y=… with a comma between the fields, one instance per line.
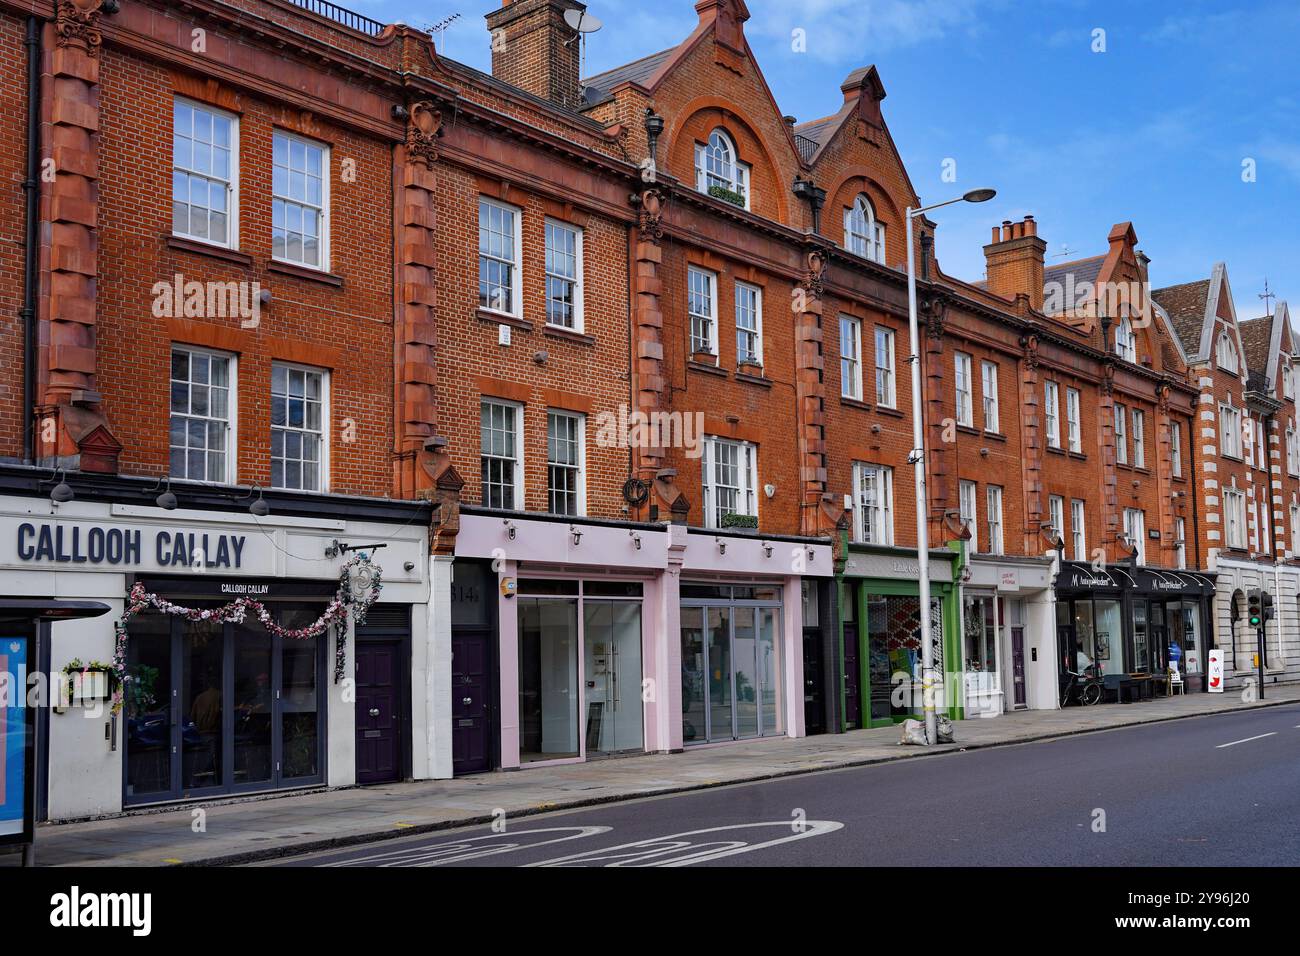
x=13, y=734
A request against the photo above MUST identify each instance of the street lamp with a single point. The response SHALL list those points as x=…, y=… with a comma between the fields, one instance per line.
x=917, y=458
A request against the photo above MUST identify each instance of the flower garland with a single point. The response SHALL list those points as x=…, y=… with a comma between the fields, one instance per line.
x=359, y=587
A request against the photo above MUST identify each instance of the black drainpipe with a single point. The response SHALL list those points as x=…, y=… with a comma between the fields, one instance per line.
x=31, y=260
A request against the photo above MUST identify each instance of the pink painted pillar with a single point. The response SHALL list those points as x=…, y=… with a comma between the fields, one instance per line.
x=508, y=666
x=792, y=650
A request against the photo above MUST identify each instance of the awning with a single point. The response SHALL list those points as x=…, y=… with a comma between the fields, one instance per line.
x=49, y=609
x=1116, y=579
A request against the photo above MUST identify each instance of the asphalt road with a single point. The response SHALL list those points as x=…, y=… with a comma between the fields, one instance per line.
x=1184, y=792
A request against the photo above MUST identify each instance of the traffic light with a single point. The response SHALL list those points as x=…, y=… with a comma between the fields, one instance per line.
x=1267, y=606
x=1255, y=615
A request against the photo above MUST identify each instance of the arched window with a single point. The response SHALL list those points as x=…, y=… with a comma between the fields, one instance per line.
x=1125, y=341
x=719, y=172
x=863, y=232
x=1225, y=354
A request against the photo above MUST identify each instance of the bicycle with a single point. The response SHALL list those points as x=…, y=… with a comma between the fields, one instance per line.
x=1087, y=689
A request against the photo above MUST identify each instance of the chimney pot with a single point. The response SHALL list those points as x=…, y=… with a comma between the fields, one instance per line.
x=539, y=52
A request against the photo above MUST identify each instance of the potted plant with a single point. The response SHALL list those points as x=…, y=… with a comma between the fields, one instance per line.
x=751, y=366
x=728, y=195
x=704, y=356
x=88, y=680
x=733, y=520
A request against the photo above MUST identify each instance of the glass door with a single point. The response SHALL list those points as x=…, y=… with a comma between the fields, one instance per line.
x=745, y=654
x=768, y=668
x=612, y=668
x=148, y=707
x=695, y=669
x=548, y=678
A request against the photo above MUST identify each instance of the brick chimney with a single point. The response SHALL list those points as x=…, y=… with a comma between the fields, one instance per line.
x=1015, y=261
x=535, y=50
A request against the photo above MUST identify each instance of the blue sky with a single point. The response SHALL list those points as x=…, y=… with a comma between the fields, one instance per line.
x=1155, y=129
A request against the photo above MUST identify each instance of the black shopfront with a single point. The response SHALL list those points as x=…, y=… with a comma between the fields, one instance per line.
x=1130, y=622
x=216, y=708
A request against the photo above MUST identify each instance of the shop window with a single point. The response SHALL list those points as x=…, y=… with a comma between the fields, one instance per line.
x=732, y=671
x=548, y=679
x=299, y=201
x=565, y=460
x=299, y=449
x=499, y=252
x=563, y=276
x=208, y=706
x=202, y=415
x=205, y=174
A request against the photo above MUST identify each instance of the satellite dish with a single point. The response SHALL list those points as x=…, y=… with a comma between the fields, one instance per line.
x=581, y=20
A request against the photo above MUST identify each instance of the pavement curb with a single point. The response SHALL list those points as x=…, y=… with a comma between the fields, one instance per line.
x=301, y=848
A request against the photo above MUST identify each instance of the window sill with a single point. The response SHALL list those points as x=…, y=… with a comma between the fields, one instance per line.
x=995, y=436
x=181, y=244
x=854, y=403
x=968, y=430
x=761, y=380
x=1055, y=450
x=568, y=335
x=304, y=272
x=502, y=318
x=888, y=410
x=695, y=366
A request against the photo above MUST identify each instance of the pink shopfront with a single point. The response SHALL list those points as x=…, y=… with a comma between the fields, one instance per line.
x=574, y=638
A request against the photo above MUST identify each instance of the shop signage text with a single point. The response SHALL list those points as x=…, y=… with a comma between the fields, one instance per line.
x=124, y=546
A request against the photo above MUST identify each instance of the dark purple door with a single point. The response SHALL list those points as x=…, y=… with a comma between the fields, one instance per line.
x=379, y=725
x=1018, y=665
x=852, y=693
x=470, y=716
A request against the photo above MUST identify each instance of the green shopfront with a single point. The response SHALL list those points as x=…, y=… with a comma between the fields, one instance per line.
x=880, y=640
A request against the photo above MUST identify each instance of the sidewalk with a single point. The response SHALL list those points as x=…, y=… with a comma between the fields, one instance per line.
x=260, y=829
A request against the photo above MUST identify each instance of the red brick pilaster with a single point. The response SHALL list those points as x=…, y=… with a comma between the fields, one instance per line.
x=1110, y=514
x=1031, y=443
x=647, y=340
x=939, y=486
x=72, y=426
x=817, y=516
x=416, y=329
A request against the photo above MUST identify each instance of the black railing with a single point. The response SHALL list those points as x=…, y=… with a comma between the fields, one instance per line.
x=341, y=15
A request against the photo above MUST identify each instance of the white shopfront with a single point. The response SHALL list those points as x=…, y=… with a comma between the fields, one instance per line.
x=1007, y=636
x=214, y=709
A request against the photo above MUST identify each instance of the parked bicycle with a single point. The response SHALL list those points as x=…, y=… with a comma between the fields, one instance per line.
x=1086, y=689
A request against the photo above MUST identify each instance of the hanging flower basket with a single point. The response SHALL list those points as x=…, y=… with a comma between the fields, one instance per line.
x=359, y=587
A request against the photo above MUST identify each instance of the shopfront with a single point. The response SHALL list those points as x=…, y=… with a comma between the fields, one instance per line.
x=239, y=678
x=881, y=643
x=1006, y=662
x=1127, y=622
x=615, y=637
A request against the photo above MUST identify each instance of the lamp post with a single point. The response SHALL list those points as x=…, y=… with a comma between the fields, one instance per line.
x=917, y=458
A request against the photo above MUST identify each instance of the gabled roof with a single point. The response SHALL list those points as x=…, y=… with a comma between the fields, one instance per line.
x=598, y=88
x=1186, y=306
x=1256, y=343
x=817, y=133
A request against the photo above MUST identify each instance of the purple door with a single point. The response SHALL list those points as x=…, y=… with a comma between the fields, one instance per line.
x=471, y=736
x=379, y=725
x=1018, y=665
x=852, y=683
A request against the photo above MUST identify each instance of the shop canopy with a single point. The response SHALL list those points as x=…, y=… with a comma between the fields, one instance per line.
x=1117, y=579
x=49, y=609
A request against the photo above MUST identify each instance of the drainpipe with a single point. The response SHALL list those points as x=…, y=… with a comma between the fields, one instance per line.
x=31, y=212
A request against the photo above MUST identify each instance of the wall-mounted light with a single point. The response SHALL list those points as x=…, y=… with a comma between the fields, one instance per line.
x=259, y=508
x=510, y=528
x=722, y=546
x=636, y=538
x=812, y=555
x=769, y=490
x=62, y=491
x=767, y=549
x=984, y=452
x=167, y=501
x=577, y=535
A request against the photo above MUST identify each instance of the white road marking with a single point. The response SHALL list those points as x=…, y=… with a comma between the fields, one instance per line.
x=678, y=850
x=1247, y=740
x=469, y=848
